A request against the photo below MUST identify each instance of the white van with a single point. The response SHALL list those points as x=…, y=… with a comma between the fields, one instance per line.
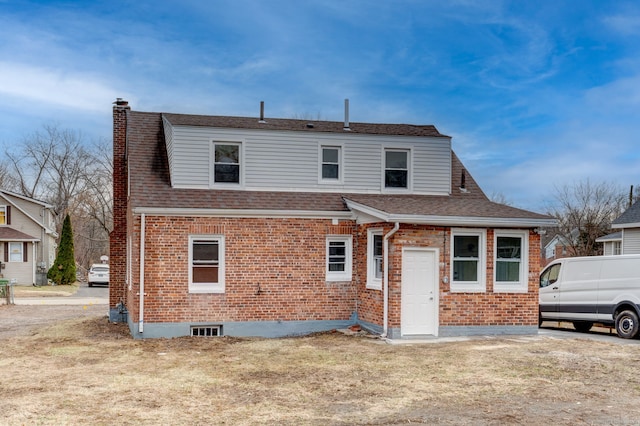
x=595, y=289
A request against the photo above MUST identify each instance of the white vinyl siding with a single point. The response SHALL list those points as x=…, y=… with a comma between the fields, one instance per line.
x=279, y=160
x=631, y=241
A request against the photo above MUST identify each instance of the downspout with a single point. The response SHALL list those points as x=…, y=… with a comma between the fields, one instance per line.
x=34, y=262
x=141, y=294
x=385, y=284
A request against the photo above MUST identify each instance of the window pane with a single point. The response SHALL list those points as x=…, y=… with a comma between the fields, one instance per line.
x=377, y=245
x=227, y=154
x=330, y=155
x=227, y=173
x=205, y=274
x=465, y=270
x=395, y=178
x=337, y=256
x=508, y=271
x=329, y=171
x=508, y=247
x=15, y=252
x=396, y=160
x=336, y=267
x=205, y=251
x=465, y=246
x=3, y=216
x=378, y=267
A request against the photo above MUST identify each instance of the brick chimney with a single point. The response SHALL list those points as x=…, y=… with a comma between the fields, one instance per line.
x=118, y=237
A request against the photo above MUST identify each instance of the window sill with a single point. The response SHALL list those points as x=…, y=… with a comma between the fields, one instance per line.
x=207, y=290
x=374, y=285
x=467, y=288
x=510, y=288
x=343, y=278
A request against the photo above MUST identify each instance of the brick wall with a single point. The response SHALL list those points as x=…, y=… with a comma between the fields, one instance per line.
x=455, y=309
x=117, y=238
x=275, y=270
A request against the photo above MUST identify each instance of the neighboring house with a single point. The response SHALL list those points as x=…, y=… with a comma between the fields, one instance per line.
x=27, y=238
x=629, y=225
x=611, y=244
x=560, y=246
x=271, y=227
x=556, y=248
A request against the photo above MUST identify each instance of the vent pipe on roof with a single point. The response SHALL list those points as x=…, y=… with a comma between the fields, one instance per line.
x=346, y=115
x=262, y=112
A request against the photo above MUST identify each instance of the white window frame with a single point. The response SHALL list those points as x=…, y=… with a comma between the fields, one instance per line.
x=373, y=282
x=4, y=208
x=480, y=285
x=340, y=163
x=616, y=248
x=345, y=275
x=218, y=287
x=234, y=185
x=409, y=186
x=19, y=252
x=522, y=285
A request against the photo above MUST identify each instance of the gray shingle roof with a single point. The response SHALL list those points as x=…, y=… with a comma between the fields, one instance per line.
x=631, y=215
x=150, y=183
x=301, y=125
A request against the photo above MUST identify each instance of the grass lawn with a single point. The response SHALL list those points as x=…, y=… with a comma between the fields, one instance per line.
x=45, y=290
x=88, y=371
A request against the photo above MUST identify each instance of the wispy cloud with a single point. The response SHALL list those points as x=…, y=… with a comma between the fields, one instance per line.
x=55, y=86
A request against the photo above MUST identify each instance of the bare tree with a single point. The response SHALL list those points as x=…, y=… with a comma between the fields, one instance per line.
x=500, y=198
x=61, y=168
x=585, y=211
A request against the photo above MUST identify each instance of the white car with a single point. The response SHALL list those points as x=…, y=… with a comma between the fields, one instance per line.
x=98, y=274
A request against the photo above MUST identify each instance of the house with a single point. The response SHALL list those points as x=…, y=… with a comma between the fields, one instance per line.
x=27, y=238
x=627, y=239
x=611, y=243
x=560, y=245
x=248, y=226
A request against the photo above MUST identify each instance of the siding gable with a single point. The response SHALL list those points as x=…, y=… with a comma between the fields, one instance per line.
x=289, y=160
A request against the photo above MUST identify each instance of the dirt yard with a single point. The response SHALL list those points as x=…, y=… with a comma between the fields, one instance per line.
x=71, y=366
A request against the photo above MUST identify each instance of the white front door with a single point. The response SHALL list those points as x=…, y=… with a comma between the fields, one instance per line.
x=419, y=306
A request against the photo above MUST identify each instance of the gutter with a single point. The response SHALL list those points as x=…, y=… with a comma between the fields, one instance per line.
x=141, y=293
x=385, y=284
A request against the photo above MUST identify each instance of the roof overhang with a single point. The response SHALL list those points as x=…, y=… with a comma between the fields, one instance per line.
x=497, y=222
x=625, y=225
x=245, y=213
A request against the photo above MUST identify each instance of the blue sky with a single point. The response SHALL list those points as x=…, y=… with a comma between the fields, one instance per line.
x=534, y=93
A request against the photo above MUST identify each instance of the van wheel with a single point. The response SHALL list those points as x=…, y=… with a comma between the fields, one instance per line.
x=627, y=324
x=582, y=326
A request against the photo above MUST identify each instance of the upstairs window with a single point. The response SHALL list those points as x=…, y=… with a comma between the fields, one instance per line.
x=226, y=163
x=5, y=215
x=396, y=168
x=331, y=170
